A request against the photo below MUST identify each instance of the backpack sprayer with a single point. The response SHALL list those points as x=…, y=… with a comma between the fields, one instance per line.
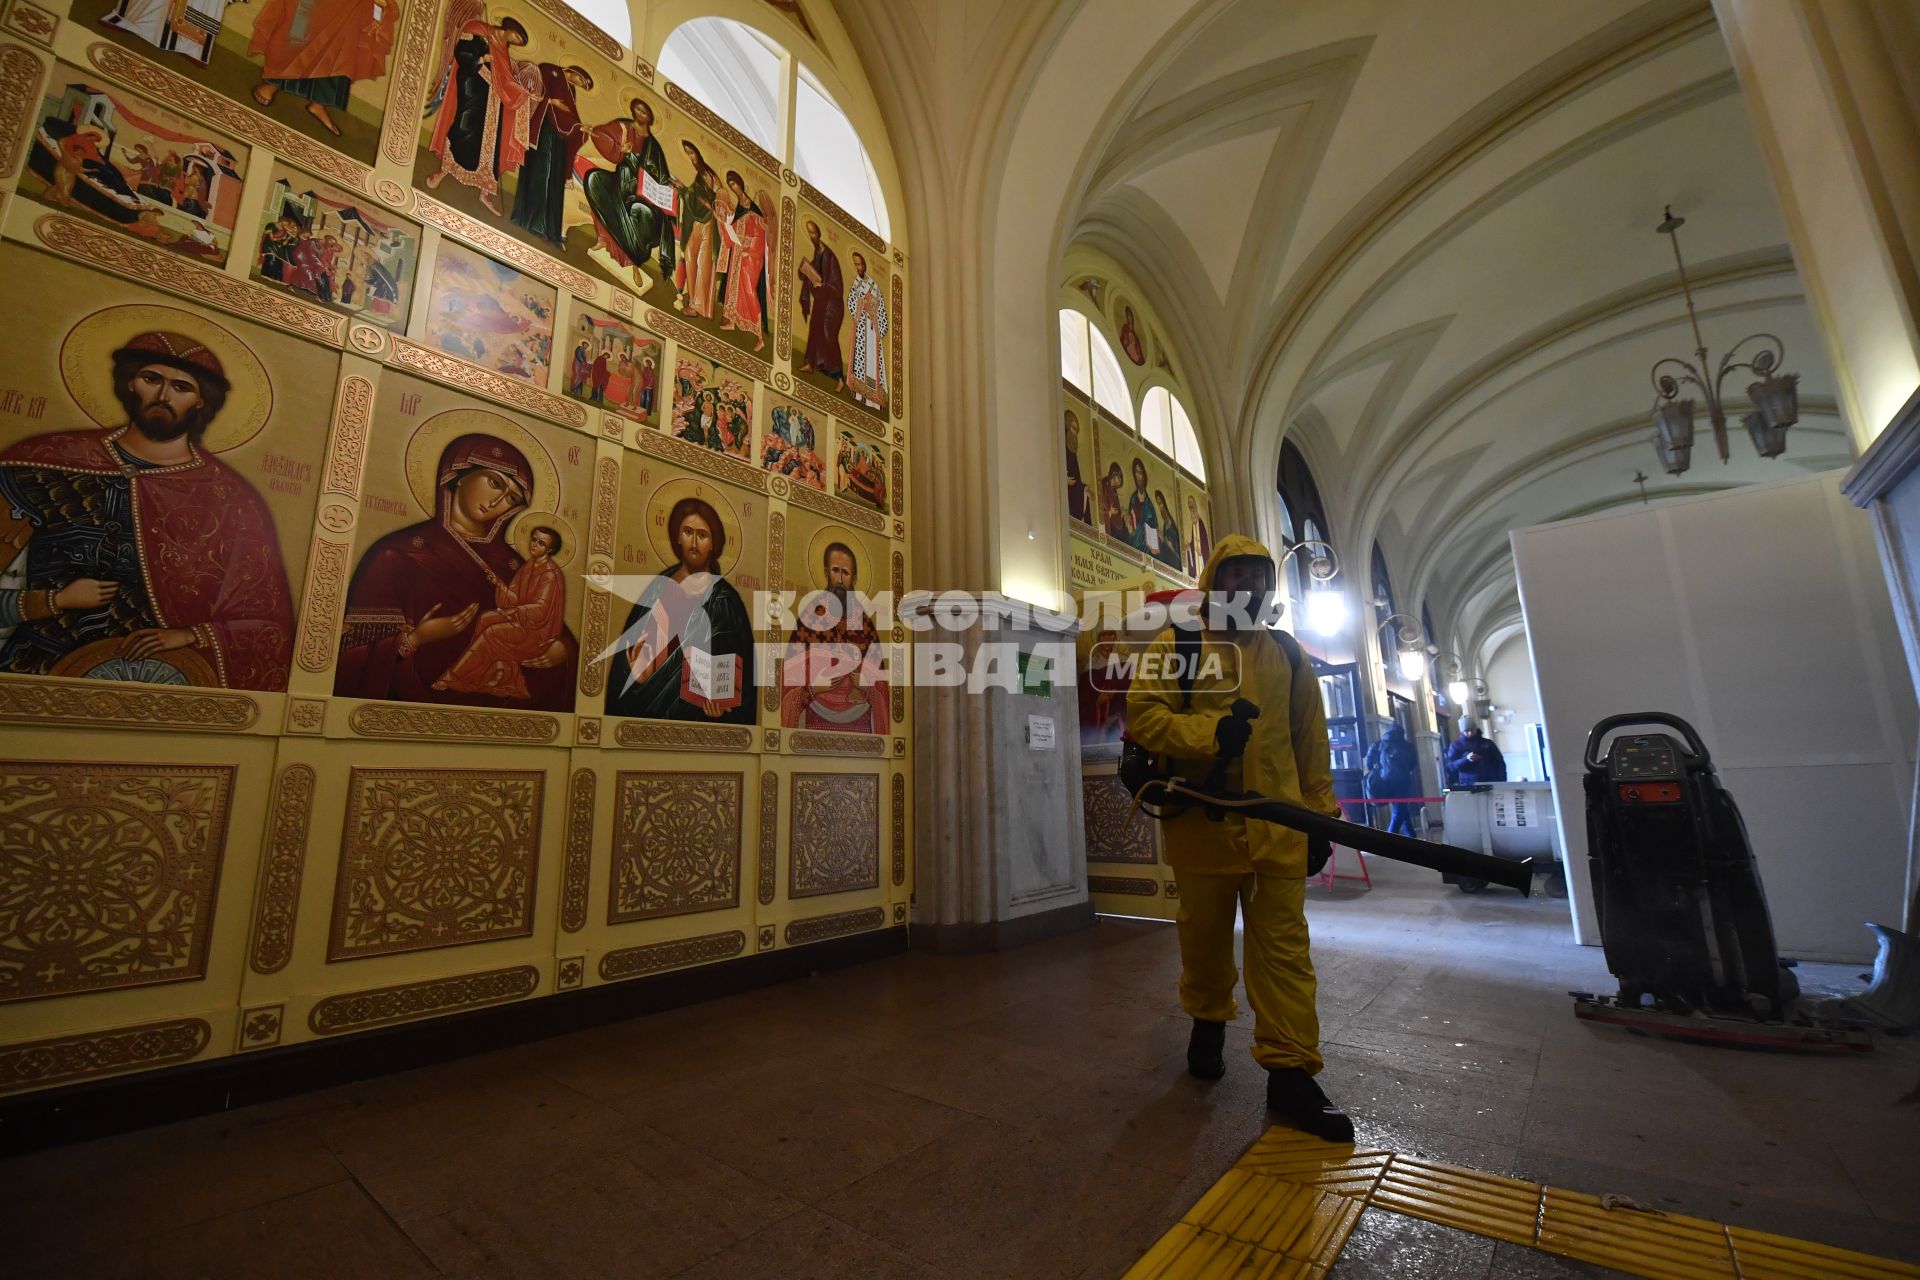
x=1161, y=796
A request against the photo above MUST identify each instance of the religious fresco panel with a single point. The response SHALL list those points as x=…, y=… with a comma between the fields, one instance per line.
x=692, y=551
x=829, y=677
x=1196, y=526
x=491, y=314
x=466, y=587
x=612, y=364
x=112, y=157
x=157, y=483
x=795, y=442
x=533, y=132
x=1078, y=429
x=316, y=66
x=841, y=318
x=342, y=251
x=860, y=471
x=1136, y=494
x=712, y=406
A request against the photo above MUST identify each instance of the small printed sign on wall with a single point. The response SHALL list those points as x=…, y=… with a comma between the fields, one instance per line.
x=1040, y=733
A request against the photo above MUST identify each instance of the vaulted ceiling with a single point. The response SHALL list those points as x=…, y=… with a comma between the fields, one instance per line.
x=1418, y=240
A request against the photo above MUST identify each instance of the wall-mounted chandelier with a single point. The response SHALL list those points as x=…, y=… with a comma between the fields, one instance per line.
x=1775, y=396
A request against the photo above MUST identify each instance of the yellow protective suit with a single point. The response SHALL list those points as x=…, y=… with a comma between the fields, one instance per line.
x=1258, y=866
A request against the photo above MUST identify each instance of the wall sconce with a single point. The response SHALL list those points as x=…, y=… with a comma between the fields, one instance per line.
x=1413, y=654
x=1326, y=606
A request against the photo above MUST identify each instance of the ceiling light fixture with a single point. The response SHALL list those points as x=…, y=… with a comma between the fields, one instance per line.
x=1775, y=396
x=1413, y=654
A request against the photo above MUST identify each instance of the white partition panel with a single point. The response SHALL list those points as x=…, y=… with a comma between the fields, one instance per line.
x=1761, y=616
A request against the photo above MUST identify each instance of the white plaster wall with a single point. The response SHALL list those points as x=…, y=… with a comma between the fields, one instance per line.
x=1510, y=687
x=1761, y=616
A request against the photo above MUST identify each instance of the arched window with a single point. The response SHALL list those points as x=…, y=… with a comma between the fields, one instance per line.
x=1300, y=505
x=1296, y=584
x=611, y=16
x=1109, y=384
x=732, y=68
x=1164, y=423
x=828, y=153
x=1384, y=608
x=1186, y=445
x=1075, y=362
x=1156, y=419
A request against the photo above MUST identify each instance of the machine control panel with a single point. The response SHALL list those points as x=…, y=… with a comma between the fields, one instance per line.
x=1647, y=757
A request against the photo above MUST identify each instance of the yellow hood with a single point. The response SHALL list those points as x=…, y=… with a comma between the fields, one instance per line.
x=1233, y=544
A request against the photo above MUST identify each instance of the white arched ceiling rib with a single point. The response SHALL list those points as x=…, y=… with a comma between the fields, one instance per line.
x=730, y=67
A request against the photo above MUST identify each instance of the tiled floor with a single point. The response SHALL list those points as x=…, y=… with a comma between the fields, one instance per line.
x=1015, y=1114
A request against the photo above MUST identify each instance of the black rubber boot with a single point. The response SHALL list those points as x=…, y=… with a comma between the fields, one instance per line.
x=1298, y=1100
x=1205, y=1049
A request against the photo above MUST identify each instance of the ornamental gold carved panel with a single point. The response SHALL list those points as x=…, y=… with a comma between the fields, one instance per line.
x=834, y=834
x=1115, y=831
x=676, y=844
x=39, y=1064
x=435, y=858
x=108, y=873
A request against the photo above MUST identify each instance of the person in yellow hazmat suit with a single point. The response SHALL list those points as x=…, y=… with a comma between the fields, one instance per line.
x=1226, y=862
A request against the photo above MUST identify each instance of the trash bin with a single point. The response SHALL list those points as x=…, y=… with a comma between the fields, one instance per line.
x=1508, y=820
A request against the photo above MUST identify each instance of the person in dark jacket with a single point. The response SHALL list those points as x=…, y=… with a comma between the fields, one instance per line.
x=1474, y=759
x=1393, y=771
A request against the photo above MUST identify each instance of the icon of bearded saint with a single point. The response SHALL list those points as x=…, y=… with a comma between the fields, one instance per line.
x=825, y=682
x=135, y=554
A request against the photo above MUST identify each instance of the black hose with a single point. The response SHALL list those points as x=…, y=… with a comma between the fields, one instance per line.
x=1445, y=858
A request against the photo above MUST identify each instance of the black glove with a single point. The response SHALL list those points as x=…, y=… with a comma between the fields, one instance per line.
x=1230, y=735
x=1319, y=853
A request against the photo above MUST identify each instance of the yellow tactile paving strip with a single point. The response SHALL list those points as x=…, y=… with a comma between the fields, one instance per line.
x=1287, y=1207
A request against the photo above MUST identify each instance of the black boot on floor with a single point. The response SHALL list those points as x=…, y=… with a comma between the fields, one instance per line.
x=1205, y=1049
x=1293, y=1095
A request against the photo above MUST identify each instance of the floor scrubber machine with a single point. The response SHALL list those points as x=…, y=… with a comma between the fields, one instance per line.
x=1683, y=918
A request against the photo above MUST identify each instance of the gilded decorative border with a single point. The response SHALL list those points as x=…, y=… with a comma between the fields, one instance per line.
x=182, y=94
x=899, y=495
x=400, y=131
x=260, y=1027
x=593, y=639
x=306, y=715
x=459, y=373
x=899, y=831
x=31, y=22
x=899, y=396
x=1132, y=885
x=382, y=720
x=19, y=85
x=352, y=416
x=840, y=508
x=97, y=247
x=381, y=1006
x=845, y=410
x=578, y=866
x=816, y=928
x=449, y=219
x=738, y=140
x=719, y=465
x=789, y=225
x=92, y=702
x=899, y=575
x=276, y=907
x=684, y=737
x=848, y=223
x=837, y=744
x=899, y=702
x=326, y=584
x=606, y=484
x=39, y=1064
x=707, y=345
x=631, y=962
x=643, y=68
x=580, y=26
x=769, y=833
x=776, y=549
